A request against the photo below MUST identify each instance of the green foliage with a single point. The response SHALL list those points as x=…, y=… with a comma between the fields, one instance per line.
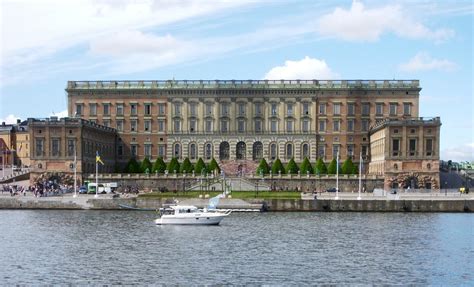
x=132, y=166
x=187, y=166
x=291, y=167
x=159, y=166
x=321, y=167
x=306, y=167
x=200, y=167
x=347, y=167
x=355, y=169
x=262, y=167
x=173, y=165
x=213, y=166
x=277, y=166
x=332, y=167
x=145, y=165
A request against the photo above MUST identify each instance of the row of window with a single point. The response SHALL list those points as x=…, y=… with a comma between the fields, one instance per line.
x=120, y=109
x=413, y=147
x=89, y=148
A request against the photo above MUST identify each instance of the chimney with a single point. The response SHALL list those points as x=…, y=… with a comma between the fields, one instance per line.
x=18, y=121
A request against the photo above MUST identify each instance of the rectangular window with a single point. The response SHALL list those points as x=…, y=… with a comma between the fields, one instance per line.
x=120, y=150
x=305, y=108
x=258, y=126
x=106, y=108
x=161, y=125
x=120, y=125
x=147, y=109
x=273, y=126
x=289, y=126
x=133, y=109
x=192, y=126
x=412, y=147
x=321, y=151
x=258, y=109
x=71, y=147
x=119, y=109
x=350, y=125
x=55, y=145
x=365, y=125
x=133, y=125
x=393, y=109
x=273, y=151
x=161, y=109
x=322, y=109
x=337, y=109
x=335, y=151
x=274, y=109
x=379, y=109
x=396, y=147
x=406, y=109
x=147, y=125
x=241, y=109
x=305, y=126
x=429, y=147
x=289, y=109
x=133, y=150
x=93, y=110
x=365, y=109
x=148, y=150
x=365, y=150
x=336, y=126
x=241, y=126
x=208, y=126
x=350, y=151
x=193, y=109
x=224, y=127
x=177, y=125
x=224, y=109
x=161, y=150
x=350, y=109
x=78, y=109
x=177, y=109
x=208, y=109
x=322, y=126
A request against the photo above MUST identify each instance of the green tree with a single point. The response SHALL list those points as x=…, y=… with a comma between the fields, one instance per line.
x=320, y=167
x=347, y=166
x=132, y=166
x=306, y=166
x=145, y=165
x=187, y=166
x=213, y=166
x=173, y=165
x=332, y=167
x=200, y=166
x=355, y=169
x=159, y=166
x=277, y=166
x=262, y=167
x=291, y=167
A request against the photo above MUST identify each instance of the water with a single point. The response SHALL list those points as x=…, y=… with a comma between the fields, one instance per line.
x=123, y=247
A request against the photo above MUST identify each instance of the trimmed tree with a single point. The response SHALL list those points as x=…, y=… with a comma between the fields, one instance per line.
x=186, y=166
x=262, y=167
x=320, y=167
x=159, y=166
x=173, y=165
x=146, y=165
x=132, y=166
x=277, y=167
x=306, y=166
x=332, y=167
x=355, y=169
x=213, y=166
x=291, y=167
x=347, y=166
x=200, y=166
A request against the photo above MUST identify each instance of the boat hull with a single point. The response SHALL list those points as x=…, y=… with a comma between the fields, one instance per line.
x=212, y=219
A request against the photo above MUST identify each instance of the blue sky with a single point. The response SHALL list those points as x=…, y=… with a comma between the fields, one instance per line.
x=46, y=43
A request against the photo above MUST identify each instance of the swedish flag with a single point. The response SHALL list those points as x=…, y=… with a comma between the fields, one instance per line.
x=97, y=158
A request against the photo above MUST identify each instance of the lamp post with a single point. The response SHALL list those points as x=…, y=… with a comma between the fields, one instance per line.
x=75, y=171
x=337, y=176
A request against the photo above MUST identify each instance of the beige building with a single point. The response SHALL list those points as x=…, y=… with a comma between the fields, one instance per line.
x=243, y=120
x=406, y=152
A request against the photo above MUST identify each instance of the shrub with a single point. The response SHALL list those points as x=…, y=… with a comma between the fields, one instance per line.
x=262, y=167
x=306, y=166
x=186, y=166
x=159, y=166
x=277, y=166
x=173, y=165
x=145, y=165
x=291, y=167
x=347, y=167
x=213, y=166
x=200, y=167
x=132, y=166
x=332, y=167
x=321, y=167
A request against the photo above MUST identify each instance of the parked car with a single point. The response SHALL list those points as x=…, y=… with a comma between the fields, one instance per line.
x=332, y=189
x=83, y=189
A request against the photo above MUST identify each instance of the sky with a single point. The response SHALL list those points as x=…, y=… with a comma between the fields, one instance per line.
x=45, y=43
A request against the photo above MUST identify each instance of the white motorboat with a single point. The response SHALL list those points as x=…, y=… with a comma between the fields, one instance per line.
x=190, y=215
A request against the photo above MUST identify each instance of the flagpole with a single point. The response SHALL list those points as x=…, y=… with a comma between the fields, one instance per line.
x=96, y=177
x=75, y=171
x=337, y=176
x=360, y=175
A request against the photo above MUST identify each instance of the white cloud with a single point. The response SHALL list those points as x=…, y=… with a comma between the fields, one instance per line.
x=459, y=153
x=424, y=62
x=9, y=119
x=307, y=68
x=368, y=24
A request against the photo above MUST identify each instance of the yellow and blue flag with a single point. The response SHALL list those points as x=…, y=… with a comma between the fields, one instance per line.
x=97, y=158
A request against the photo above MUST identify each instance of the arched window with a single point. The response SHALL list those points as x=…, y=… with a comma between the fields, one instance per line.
x=273, y=151
x=305, y=151
x=224, y=151
x=257, y=151
x=240, y=150
x=177, y=150
x=208, y=151
x=289, y=151
x=192, y=151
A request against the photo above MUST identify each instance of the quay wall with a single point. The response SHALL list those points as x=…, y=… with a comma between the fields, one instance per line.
x=277, y=205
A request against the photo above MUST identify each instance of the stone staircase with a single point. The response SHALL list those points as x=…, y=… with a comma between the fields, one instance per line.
x=238, y=167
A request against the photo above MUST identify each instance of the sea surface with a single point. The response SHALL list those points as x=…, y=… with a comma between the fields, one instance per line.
x=39, y=247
